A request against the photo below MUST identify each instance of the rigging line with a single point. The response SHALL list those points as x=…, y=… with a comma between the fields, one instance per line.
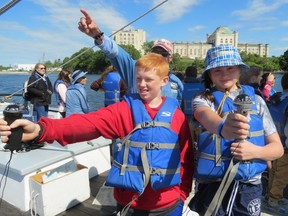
x=8, y=5
x=139, y=17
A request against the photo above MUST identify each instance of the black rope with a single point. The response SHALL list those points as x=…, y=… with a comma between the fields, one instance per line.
x=5, y=176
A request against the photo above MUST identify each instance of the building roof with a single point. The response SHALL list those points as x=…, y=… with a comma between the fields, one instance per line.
x=222, y=30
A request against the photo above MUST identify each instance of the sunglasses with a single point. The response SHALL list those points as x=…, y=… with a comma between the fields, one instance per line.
x=164, y=54
x=43, y=68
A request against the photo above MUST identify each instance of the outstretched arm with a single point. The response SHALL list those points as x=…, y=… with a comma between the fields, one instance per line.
x=120, y=59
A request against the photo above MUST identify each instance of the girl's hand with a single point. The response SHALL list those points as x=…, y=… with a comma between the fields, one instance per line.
x=244, y=150
x=235, y=127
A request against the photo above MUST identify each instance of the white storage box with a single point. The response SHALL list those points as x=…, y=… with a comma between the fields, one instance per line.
x=57, y=195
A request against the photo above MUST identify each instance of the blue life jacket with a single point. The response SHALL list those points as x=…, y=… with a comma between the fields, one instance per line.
x=278, y=108
x=150, y=152
x=58, y=97
x=190, y=90
x=111, y=86
x=214, y=153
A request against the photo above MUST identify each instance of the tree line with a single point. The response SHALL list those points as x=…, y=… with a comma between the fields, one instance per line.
x=95, y=62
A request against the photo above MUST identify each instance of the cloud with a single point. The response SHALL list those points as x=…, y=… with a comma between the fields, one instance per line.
x=58, y=35
x=284, y=39
x=173, y=9
x=285, y=23
x=64, y=13
x=257, y=8
x=262, y=28
x=196, y=28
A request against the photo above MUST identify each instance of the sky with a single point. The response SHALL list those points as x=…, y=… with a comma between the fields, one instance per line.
x=40, y=30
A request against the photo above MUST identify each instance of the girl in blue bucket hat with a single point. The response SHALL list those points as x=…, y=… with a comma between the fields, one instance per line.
x=238, y=137
x=76, y=96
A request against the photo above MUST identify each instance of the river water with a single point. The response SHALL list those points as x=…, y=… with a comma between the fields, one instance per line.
x=11, y=83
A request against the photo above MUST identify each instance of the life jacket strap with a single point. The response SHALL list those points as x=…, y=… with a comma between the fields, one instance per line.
x=153, y=171
x=154, y=145
x=225, y=183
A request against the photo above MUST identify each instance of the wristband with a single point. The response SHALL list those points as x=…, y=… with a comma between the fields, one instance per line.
x=99, y=36
x=39, y=134
x=220, y=127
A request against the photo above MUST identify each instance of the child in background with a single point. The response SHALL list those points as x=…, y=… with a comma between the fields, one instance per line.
x=230, y=136
x=278, y=175
x=266, y=85
x=60, y=88
x=153, y=133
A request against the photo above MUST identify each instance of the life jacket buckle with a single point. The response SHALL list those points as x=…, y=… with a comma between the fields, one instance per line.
x=245, y=162
x=155, y=171
x=147, y=124
x=152, y=145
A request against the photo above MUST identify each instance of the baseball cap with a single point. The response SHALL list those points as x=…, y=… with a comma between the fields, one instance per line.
x=165, y=44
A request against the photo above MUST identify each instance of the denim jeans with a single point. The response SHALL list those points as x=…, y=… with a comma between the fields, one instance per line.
x=41, y=111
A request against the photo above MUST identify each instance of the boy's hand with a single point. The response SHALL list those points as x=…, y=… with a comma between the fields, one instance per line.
x=30, y=129
x=87, y=25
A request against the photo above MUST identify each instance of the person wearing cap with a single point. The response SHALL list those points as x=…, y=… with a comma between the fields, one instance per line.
x=76, y=97
x=124, y=63
x=234, y=147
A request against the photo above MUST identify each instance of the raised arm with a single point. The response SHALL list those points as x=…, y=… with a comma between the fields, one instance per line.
x=120, y=59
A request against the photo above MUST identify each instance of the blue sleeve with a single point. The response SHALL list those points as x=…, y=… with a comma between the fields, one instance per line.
x=176, y=86
x=122, y=61
x=83, y=101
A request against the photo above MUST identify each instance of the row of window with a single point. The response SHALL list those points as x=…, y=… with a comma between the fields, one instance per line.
x=126, y=34
x=195, y=52
x=199, y=52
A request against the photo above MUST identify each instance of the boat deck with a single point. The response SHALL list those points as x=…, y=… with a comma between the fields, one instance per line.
x=87, y=208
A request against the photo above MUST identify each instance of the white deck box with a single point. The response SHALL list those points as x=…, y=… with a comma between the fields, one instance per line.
x=57, y=195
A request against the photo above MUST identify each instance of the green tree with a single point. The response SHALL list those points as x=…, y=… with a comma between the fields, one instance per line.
x=99, y=62
x=199, y=64
x=284, y=61
x=135, y=54
x=147, y=46
x=80, y=60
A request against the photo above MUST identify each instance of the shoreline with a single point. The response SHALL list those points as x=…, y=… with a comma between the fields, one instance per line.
x=14, y=72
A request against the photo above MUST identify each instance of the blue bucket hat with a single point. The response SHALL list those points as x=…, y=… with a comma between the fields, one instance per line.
x=223, y=55
x=76, y=75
